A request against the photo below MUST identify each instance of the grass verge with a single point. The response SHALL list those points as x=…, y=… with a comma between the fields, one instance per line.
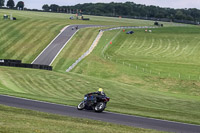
x=14, y=120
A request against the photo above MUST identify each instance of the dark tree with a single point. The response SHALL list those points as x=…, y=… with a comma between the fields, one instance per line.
x=10, y=4
x=46, y=8
x=20, y=5
x=180, y=15
x=54, y=7
x=2, y=3
x=131, y=10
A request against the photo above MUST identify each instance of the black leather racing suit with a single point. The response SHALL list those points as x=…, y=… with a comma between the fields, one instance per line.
x=94, y=97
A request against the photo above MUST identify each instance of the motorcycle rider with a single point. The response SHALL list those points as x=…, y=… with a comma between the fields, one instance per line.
x=100, y=92
x=94, y=101
x=98, y=95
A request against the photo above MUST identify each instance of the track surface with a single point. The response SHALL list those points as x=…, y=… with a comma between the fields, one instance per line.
x=47, y=56
x=129, y=120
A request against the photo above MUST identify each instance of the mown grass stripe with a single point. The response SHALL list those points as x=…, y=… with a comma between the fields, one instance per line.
x=182, y=51
x=12, y=29
x=26, y=85
x=41, y=43
x=7, y=27
x=172, y=50
x=30, y=84
x=131, y=44
x=35, y=84
x=163, y=48
x=16, y=85
x=196, y=47
x=15, y=44
x=152, y=47
x=26, y=44
x=53, y=87
x=150, y=44
x=156, y=48
x=122, y=46
x=9, y=43
x=141, y=44
x=43, y=89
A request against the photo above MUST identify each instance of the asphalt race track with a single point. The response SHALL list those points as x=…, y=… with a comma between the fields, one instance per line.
x=129, y=120
x=52, y=50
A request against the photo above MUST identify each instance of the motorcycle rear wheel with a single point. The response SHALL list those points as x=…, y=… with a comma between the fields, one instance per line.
x=81, y=106
x=99, y=107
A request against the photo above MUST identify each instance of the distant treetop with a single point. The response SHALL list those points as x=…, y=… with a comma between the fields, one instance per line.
x=10, y=4
x=2, y=3
x=20, y=5
x=128, y=9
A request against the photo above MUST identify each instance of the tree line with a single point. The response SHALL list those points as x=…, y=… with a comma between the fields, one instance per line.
x=127, y=9
x=11, y=4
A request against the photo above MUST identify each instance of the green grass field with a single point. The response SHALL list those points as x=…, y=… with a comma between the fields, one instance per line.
x=148, y=74
x=171, y=54
x=169, y=51
x=70, y=88
x=33, y=31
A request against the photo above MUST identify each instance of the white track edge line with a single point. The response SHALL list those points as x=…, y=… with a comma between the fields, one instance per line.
x=153, y=119
x=36, y=100
x=62, y=47
x=50, y=43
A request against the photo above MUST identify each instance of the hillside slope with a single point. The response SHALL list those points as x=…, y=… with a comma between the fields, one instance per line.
x=70, y=88
x=152, y=85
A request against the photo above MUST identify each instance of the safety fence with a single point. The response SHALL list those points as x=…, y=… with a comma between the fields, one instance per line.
x=146, y=70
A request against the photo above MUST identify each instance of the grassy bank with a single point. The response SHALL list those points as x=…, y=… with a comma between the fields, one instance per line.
x=149, y=74
x=70, y=88
x=165, y=60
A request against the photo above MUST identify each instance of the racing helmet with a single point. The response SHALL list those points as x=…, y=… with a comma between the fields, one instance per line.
x=100, y=90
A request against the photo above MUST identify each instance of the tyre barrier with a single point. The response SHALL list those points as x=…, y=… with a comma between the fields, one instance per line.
x=8, y=60
x=17, y=63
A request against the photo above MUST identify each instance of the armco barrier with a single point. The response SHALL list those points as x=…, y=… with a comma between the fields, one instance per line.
x=17, y=63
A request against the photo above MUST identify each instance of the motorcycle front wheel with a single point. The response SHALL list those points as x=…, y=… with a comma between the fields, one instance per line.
x=100, y=107
x=81, y=106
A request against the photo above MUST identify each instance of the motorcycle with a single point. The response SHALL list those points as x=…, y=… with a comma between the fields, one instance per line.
x=94, y=102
